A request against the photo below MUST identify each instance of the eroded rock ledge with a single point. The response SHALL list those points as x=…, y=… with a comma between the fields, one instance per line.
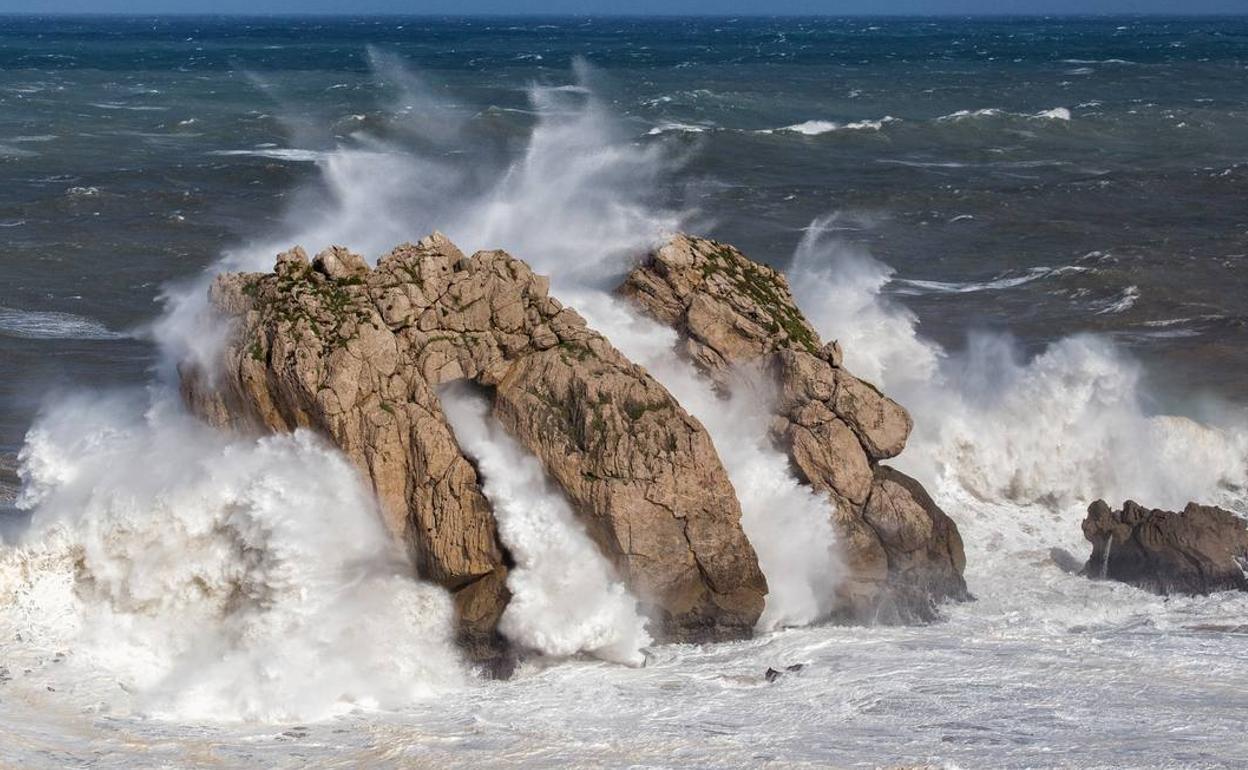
x=904, y=554
x=1200, y=550
x=357, y=354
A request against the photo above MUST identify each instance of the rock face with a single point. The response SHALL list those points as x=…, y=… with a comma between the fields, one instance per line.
x=357, y=354
x=1201, y=550
x=904, y=554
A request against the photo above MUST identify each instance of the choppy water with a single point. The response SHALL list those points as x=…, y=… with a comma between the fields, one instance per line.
x=1026, y=182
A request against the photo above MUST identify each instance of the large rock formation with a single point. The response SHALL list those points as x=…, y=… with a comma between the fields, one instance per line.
x=904, y=554
x=357, y=354
x=1201, y=550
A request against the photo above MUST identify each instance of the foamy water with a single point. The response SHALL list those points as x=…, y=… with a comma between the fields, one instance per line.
x=565, y=597
x=183, y=598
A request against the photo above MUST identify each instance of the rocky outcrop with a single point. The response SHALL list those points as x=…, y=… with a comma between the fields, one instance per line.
x=903, y=553
x=358, y=353
x=1200, y=550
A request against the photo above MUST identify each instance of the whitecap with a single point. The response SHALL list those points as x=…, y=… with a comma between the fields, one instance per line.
x=51, y=325
x=129, y=107
x=277, y=153
x=1005, y=281
x=664, y=128
x=817, y=127
x=1096, y=61
x=1057, y=113
x=1123, y=302
x=922, y=163
x=987, y=112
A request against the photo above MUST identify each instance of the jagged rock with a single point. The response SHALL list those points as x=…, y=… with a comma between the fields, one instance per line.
x=903, y=553
x=357, y=354
x=1201, y=550
x=772, y=674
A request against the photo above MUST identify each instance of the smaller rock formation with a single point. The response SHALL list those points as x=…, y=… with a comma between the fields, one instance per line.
x=904, y=555
x=1201, y=550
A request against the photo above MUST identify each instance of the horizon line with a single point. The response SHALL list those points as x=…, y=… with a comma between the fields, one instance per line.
x=575, y=15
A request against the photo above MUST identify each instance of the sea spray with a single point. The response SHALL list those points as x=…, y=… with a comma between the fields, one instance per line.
x=1060, y=429
x=213, y=578
x=576, y=202
x=788, y=522
x=565, y=597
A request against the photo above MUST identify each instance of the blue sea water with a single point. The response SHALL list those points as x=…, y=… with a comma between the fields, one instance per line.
x=1025, y=181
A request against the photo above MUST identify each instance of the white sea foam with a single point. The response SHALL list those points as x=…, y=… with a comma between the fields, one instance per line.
x=817, y=127
x=565, y=597
x=212, y=579
x=1125, y=300
x=278, y=153
x=129, y=107
x=1060, y=429
x=50, y=325
x=1012, y=447
x=789, y=525
x=952, y=287
x=686, y=128
x=1056, y=113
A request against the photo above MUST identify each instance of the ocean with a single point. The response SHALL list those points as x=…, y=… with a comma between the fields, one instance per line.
x=1032, y=232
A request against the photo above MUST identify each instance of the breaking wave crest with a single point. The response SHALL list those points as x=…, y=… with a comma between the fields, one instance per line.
x=1059, y=429
x=253, y=580
x=817, y=127
x=1056, y=113
x=213, y=578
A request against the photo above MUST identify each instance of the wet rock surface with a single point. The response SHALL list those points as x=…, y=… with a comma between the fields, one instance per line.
x=1199, y=550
